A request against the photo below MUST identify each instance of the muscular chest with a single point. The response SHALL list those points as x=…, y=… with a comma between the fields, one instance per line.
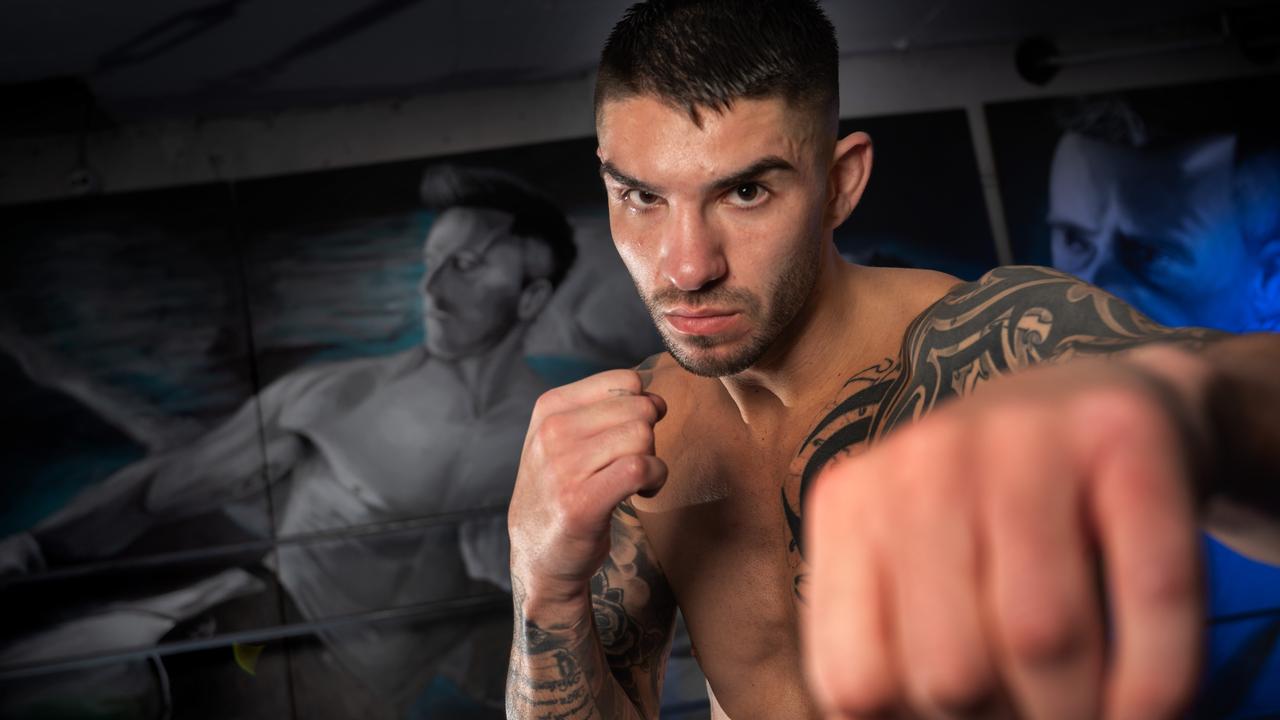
x=722, y=545
x=411, y=447
x=729, y=534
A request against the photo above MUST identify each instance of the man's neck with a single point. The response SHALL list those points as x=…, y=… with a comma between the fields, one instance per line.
x=486, y=375
x=813, y=353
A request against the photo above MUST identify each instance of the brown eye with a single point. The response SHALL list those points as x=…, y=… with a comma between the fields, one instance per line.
x=641, y=199
x=748, y=195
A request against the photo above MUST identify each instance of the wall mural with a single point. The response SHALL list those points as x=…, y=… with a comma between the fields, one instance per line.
x=262, y=433
x=1169, y=198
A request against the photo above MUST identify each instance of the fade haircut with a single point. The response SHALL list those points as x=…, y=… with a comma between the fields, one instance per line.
x=536, y=217
x=1160, y=118
x=705, y=54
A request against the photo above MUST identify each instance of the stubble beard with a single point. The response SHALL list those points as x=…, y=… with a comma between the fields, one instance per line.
x=788, y=295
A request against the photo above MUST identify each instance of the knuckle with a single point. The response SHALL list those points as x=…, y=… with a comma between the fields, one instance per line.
x=628, y=380
x=825, y=490
x=631, y=468
x=1156, y=695
x=1165, y=584
x=1044, y=634
x=639, y=431
x=955, y=686
x=552, y=431
x=546, y=401
x=644, y=408
x=1014, y=419
x=1118, y=412
x=869, y=693
x=931, y=445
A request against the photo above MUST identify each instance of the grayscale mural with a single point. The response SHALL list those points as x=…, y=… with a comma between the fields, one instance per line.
x=262, y=434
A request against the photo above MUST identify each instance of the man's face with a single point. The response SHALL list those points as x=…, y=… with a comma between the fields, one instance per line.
x=720, y=226
x=475, y=274
x=1158, y=228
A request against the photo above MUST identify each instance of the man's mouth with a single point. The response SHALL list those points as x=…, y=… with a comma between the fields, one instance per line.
x=702, y=321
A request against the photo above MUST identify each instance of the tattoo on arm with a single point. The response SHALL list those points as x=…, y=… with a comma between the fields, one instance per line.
x=634, y=612
x=1010, y=319
x=608, y=665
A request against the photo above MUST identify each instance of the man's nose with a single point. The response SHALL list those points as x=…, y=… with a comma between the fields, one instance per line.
x=431, y=283
x=692, y=251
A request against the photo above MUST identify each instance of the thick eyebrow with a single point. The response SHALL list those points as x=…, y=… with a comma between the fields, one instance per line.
x=607, y=168
x=748, y=174
x=752, y=172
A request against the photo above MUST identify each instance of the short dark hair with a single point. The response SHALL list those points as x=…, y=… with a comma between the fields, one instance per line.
x=535, y=215
x=707, y=53
x=1169, y=116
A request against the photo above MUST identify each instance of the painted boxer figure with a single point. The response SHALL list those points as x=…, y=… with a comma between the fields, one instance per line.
x=842, y=475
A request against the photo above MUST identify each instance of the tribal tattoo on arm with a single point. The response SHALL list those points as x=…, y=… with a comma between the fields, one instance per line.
x=609, y=665
x=1011, y=318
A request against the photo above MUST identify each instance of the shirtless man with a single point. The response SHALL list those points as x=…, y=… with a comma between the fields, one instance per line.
x=946, y=569
x=430, y=430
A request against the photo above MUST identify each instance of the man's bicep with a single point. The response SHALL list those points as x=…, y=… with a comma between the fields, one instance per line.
x=634, y=611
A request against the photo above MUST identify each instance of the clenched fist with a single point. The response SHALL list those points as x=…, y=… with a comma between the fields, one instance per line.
x=589, y=447
x=1029, y=552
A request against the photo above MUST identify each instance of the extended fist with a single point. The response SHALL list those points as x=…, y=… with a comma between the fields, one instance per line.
x=958, y=568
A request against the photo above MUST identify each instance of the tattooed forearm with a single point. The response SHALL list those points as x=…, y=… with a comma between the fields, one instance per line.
x=559, y=672
x=634, y=612
x=607, y=664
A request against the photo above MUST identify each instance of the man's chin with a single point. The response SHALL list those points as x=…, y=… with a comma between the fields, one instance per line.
x=713, y=361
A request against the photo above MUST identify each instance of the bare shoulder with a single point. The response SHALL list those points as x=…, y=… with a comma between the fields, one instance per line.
x=1010, y=319
x=914, y=283
x=905, y=293
x=1039, y=314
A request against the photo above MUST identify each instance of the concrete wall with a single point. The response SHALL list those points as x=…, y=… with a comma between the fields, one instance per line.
x=150, y=155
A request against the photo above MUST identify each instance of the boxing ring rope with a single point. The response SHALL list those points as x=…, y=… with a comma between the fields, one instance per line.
x=179, y=557
x=438, y=610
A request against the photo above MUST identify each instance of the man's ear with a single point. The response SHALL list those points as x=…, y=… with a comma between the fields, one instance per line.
x=848, y=177
x=1266, y=290
x=533, y=298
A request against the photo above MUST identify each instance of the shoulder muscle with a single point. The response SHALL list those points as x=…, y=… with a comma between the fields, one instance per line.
x=1012, y=318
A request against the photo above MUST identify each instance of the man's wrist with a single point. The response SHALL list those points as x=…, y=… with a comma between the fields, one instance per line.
x=552, y=606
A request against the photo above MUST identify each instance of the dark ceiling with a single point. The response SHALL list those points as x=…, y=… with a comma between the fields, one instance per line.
x=78, y=62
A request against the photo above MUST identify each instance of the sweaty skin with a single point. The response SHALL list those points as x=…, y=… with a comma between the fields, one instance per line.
x=762, y=478
x=722, y=534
